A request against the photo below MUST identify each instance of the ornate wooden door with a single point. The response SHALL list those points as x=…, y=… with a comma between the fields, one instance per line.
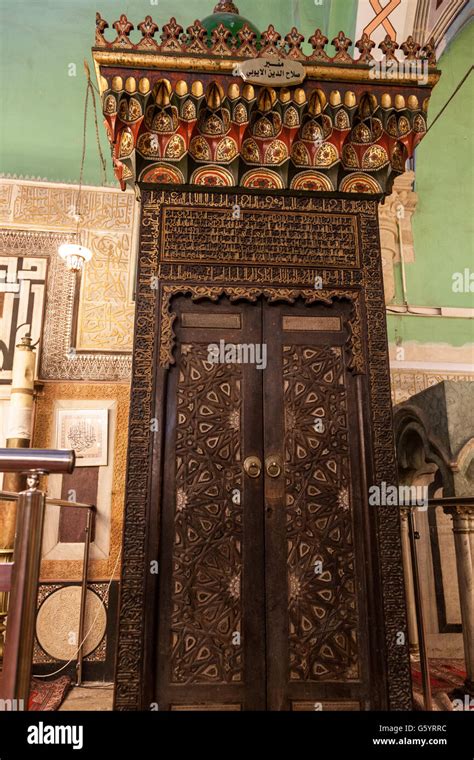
x=263, y=595
x=211, y=646
x=315, y=586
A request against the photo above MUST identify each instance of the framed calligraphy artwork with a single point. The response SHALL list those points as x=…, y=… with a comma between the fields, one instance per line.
x=85, y=431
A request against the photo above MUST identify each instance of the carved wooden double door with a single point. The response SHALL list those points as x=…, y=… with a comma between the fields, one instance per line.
x=263, y=595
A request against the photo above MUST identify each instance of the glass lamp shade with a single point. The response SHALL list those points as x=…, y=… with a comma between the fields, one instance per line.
x=227, y=14
x=74, y=255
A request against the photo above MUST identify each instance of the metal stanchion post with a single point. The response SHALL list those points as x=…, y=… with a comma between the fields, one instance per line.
x=82, y=615
x=22, y=615
x=20, y=633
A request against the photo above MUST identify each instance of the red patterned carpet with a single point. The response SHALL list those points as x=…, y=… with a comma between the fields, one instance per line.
x=48, y=695
x=445, y=676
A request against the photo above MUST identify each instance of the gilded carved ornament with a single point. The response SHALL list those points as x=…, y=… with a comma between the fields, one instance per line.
x=369, y=138
x=290, y=295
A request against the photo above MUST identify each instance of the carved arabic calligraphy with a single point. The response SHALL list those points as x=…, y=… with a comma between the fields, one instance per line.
x=196, y=235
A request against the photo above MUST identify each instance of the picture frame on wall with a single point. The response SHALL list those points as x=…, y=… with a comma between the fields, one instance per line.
x=85, y=431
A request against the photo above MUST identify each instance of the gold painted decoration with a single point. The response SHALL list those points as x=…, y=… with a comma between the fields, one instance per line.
x=226, y=150
x=250, y=152
x=419, y=124
x=326, y=156
x=374, y=157
x=312, y=132
x=403, y=125
x=176, y=148
x=199, y=149
x=349, y=157
x=312, y=182
x=148, y=145
x=361, y=134
x=276, y=152
x=392, y=126
x=189, y=111
x=291, y=117
x=261, y=179
x=110, y=105
x=300, y=154
x=126, y=144
x=215, y=125
x=342, y=121
x=189, y=88
x=240, y=114
x=134, y=109
x=126, y=172
x=398, y=157
x=162, y=174
x=129, y=109
x=360, y=183
x=272, y=134
x=213, y=176
x=267, y=126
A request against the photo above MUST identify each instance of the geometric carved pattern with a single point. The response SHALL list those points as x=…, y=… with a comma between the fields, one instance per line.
x=367, y=282
x=45, y=592
x=207, y=553
x=321, y=573
x=356, y=360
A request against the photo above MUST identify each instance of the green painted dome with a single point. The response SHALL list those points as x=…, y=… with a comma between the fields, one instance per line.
x=227, y=13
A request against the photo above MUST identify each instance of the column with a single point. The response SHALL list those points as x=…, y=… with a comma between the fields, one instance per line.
x=409, y=589
x=18, y=436
x=463, y=518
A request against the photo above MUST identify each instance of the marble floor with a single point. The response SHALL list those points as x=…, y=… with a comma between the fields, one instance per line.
x=91, y=696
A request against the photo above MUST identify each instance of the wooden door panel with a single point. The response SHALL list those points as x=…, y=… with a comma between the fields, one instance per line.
x=262, y=581
x=211, y=626
x=315, y=565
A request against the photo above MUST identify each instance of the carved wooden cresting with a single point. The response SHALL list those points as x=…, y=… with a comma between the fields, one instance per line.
x=260, y=408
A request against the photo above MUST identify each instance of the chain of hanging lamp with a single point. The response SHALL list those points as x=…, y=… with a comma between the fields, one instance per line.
x=89, y=91
x=75, y=254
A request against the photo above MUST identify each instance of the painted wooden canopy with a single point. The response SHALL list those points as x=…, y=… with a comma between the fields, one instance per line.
x=210, y=107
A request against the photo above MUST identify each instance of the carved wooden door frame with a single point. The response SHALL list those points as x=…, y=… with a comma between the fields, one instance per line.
x=158, y=282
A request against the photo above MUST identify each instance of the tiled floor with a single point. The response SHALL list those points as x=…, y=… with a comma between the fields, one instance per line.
x=91, y=696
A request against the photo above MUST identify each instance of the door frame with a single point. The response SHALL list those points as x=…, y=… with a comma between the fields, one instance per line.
x=153, y=352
